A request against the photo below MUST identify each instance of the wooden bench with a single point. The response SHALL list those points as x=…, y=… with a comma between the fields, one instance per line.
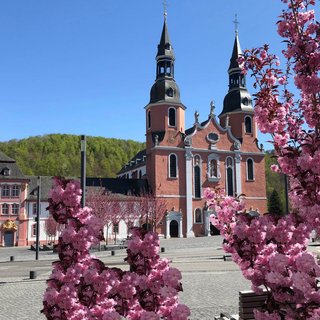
x=249, y=300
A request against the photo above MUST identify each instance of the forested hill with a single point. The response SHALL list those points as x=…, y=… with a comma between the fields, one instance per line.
x=59, y=154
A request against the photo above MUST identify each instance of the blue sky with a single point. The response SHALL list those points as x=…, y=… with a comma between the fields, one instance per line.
x=86, y=67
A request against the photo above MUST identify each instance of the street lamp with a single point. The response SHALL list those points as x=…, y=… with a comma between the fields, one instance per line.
x=286, y=193
x=38, y=217
x=83, y=170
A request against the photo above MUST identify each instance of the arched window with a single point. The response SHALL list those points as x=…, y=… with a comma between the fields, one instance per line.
x=198, y=216
x=5, y=208
x=213, y=168
x=172, y=117
x=173, y=164
x=229, y=177
x=250, y=169
x=248, y=124
x=149, y=119
x=197, y=177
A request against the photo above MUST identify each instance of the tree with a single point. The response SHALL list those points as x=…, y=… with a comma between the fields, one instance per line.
x=152, y=210
x=99, y=200
x=83, y=287
x=51, y=227
x=274, y=204
x=272, y=250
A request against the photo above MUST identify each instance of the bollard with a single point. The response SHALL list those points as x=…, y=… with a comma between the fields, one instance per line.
x=163, y=249
x=11, y=258
x=113, y=252
x=33, y=274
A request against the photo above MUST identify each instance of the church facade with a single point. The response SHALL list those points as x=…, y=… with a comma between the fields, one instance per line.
x=221, y=151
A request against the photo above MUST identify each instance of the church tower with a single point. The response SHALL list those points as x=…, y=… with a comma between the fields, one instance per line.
x=165, y=114
x=237, y=105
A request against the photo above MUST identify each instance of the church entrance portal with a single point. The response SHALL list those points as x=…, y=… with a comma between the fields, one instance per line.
x=8, y=239
x=174, y=229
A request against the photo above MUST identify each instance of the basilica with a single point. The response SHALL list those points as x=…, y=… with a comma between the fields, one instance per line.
x=221, y=151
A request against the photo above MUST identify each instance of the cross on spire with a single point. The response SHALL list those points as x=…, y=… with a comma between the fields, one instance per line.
x=164, y=9
x=236, y=23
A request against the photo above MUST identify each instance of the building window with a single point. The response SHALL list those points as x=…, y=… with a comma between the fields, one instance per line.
x=149, y=119
x=248, y=124
x=198, y=216
x=5, y=208
x=34, y=230
x=116, y=228
x=229, y=174
x=5, y=191
x=15, y=208
x=34, y=209
x=15, y=191
x=213, y=168
x=250, y=170
x=173, y=164
x=172, y=117
x=197, y=176
x=6, y=172
x=140, y=174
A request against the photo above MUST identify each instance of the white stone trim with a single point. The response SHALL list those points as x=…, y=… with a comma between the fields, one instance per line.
x=210, y=151
x=170, y=196
x=189, y=213
x=238, y=173
x=254, y=198
x=174, y=216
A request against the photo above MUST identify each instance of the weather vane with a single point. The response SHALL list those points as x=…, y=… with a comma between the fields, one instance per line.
x=236, y=23
x=165, y=8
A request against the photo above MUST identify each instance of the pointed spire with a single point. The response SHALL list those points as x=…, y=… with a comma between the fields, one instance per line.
x=165, y=47
x=236, y=53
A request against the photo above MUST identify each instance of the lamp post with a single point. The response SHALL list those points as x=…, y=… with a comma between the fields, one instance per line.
x=83, y=170
x=38, y=217
x=286, y=192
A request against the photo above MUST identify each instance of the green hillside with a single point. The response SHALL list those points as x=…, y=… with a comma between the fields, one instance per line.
x=59, y=154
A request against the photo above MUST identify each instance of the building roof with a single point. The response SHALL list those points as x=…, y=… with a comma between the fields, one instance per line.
x=135, y=162
x=46, y=185
x=236, y=54
x=238, y=98
x=164, y=47
x=9, y=169
x=5, y=158
x=133, y=187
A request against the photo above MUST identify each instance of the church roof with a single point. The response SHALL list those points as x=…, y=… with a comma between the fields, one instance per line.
x=165, y=47
x=236, y=53
x=134, y=187
x=136, y=161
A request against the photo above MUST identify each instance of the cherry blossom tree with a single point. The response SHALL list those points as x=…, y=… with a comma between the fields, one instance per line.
x=271, y=250
x=51, y=227
x=152, y=210
x=81, y=287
